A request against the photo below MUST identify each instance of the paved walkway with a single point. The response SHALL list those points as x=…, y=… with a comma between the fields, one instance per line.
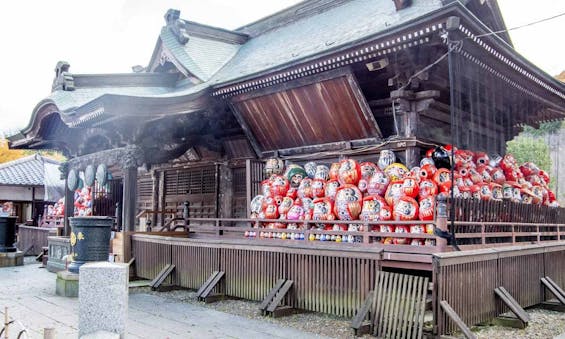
x=29, y=293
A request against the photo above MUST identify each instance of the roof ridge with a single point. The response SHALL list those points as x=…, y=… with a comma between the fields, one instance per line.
x=296, y=12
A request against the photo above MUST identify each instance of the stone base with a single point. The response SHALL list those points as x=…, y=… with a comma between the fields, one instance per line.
x=12, y=259
x=67, y=284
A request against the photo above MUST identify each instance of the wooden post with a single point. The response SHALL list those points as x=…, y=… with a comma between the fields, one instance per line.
x=69, y=208
x=129, y=198
x=154, y=196
x=441, y=223
x=162, y=196
x=225, y=194
x=33, y=207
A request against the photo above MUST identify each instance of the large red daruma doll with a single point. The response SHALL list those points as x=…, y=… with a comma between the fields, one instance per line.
x=348, y=200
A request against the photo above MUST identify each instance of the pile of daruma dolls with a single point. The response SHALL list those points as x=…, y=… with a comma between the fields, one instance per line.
x=387, y=191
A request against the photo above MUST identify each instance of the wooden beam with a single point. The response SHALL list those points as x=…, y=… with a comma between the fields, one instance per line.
x=161, y=276
x=365, y=109
x=514, y=306
x=246, y=129
x=457, y=320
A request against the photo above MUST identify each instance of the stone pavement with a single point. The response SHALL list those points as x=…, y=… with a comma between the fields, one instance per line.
x=29, y=293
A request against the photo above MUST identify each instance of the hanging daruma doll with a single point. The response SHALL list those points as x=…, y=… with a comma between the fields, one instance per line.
x=349, y=172
x=348, y=201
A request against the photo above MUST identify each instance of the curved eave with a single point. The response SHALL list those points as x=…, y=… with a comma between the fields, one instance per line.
x=110, y=107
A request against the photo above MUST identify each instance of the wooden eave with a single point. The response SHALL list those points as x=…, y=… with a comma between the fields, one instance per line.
x=422, y=30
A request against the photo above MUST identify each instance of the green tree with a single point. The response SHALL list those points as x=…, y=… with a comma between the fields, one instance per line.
x=545, y=128
x=525, y=148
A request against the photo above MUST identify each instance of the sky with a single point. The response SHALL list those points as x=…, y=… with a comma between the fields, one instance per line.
x=111, y=36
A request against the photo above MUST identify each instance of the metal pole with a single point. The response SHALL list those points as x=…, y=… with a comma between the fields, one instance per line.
x=453, y=131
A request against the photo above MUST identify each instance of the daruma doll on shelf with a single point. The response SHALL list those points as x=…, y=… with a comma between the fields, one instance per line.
x=371, y=209
x=348, y=200
x=323, y=211
x=378, y=184
x=405, y=209
x=349, y=172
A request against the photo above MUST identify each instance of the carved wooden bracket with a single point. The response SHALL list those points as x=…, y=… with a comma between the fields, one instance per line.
x=127, y=157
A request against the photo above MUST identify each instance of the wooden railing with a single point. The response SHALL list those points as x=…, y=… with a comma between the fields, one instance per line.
x=32, y=239
x=467, y=279
x=328, y=279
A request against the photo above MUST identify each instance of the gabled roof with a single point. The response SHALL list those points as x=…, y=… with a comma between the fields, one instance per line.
x=28, y=171
x=316, y=33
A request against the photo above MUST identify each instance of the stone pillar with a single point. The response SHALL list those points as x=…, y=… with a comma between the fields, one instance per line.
x=103, y=298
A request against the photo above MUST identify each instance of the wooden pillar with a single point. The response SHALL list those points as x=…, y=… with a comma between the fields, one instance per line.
x=162, y=198
x=69, y=200
x=225, y=195
x=154, y=197
x=129, y=198
x=34, y=222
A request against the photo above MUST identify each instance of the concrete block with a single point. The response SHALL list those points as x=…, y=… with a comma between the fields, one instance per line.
x=103, y=298
x=101, y=335
x=10, y=259
x=67, y=284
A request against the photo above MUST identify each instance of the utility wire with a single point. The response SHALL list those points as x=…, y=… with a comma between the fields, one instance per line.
x=522, y=26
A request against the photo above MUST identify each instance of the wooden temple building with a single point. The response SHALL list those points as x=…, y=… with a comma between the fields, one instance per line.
x=186, y=138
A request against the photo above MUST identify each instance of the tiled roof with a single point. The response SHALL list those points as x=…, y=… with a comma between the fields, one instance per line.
x=28, y=171
x=316, y=34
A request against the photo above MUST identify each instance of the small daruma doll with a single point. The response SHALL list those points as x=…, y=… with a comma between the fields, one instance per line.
x=368, y=169
x=378, y=184
x=405, y=209
x=410, y=187
x=331, y=188
x=427, y=188
x=295, y=174
x=426, y=210
x=349, y=172
x=372, y=208
x=318, y=188
x=394, y=192
x=348, y=200
x=323, y=211
x=279, y=185
x=305, y=189
x=396, y=171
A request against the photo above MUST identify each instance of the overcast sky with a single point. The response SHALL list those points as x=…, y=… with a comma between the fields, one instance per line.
x=110, y=36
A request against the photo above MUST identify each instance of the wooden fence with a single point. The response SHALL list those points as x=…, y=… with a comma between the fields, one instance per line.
x=466, y=280
x=327, y=279
x=33, y=239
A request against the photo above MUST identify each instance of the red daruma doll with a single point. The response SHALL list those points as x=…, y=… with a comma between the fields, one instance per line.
x=318, y=188
x=349, y=172
x=405, y=209
x=322, y=211
x=426, y=210
x=348, y=201
x=372, y=208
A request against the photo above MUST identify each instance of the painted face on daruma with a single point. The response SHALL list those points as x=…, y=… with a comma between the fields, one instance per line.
x=331, y=188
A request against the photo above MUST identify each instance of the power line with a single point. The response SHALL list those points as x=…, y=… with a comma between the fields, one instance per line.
x=521, y=26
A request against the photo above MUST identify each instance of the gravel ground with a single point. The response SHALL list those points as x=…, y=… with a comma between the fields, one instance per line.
x=317, y=323
x=544, y=324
